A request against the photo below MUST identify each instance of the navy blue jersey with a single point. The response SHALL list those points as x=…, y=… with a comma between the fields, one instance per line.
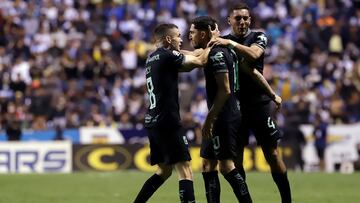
x=250, y=91
x=162, y=84
x=222, y=60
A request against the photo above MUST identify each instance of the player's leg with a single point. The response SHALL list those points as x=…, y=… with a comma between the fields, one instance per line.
x=153, y=183
x=156, y=158
x=267, y=135
x=186, y=186
x=211, y=180
x=242, y=140
x=237, y=183
x=278, y=171
x=239, y=161
x=177, y=153
x=225, y=147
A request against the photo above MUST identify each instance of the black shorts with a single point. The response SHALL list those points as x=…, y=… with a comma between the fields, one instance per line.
x=222, y=145
x=168, y=146
x=257, y=119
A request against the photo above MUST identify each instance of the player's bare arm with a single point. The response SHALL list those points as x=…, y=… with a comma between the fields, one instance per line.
x=192, y=61
x=250, y=53
x=223, y=93
x=196, y=52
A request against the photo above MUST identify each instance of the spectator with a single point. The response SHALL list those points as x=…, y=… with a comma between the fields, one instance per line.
x=61, y=47
x=320, y=134
x=13, y=131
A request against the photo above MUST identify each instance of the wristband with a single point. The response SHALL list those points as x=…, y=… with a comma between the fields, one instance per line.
x=273, y=97
x=232, y=44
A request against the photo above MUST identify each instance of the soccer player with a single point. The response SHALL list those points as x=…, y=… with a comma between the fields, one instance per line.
x=221, y=124
x=168, y=147
x=255, y=101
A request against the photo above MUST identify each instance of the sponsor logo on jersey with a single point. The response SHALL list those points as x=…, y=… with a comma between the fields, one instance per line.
x=176, y=53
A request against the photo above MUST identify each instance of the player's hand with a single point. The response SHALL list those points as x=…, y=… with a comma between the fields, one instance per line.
x=214, y=34
x=278, y=101
x=207, y=128
x=219, y=41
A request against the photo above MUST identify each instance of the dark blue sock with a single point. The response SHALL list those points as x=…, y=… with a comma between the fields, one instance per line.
x=186, y=191
x=148, y=189
x=212, y=186
x=283, y=185
x=239, y=186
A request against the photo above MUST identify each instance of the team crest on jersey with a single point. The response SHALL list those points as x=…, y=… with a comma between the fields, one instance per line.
x=263, y=39
x=176, y=53
x=218, y=57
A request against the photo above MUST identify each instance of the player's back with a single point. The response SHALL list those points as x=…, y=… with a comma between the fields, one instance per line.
x=162, y=84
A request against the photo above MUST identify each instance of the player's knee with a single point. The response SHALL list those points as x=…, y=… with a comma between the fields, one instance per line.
x=184, y=170
x=209, y=165
x=164, y=171
x=226, y=166
x=271, y=154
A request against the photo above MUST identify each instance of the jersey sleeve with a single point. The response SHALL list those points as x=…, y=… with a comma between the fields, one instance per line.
x=261, y=40
x=177, y=57
x=217, y=60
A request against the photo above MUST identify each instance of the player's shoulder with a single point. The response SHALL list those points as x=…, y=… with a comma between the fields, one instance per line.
x=219, y=48
x=219, y=51
x=259, y=37
x=228, y=36
x=164, y=51
x=259, y=34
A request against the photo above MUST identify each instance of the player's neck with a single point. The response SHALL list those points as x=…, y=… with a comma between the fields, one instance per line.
x=162, y=45
x=204, y=44
x=241, y=35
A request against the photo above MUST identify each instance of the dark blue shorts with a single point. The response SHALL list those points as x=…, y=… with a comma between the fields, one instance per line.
x=223, y=143
x=257, y=119
x=168, y=146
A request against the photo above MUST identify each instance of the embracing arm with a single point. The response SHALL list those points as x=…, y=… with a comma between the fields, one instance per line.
x=195, y=59
x=250, y=53
x=196, y=52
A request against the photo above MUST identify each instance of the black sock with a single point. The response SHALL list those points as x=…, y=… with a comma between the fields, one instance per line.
x=282, y=183
x=239, y=186
x=149, y=187
x=242, y=172
x=186, y=191
x=212, y=186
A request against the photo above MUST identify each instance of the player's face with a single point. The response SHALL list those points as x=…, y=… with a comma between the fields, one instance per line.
x=239, y=21
x=175, y=39
x=195, y=37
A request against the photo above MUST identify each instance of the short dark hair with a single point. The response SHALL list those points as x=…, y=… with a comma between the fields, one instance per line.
x=162, y=30
x=203, y=22
x=238, y=6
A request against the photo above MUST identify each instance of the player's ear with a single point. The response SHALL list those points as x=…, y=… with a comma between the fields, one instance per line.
x=202, y=34
x=228, y=20
x=168, y=39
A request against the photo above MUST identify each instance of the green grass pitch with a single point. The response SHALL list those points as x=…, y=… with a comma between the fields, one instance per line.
x=122, y=187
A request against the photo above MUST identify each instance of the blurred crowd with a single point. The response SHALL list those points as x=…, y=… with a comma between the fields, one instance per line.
x=78, y=63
